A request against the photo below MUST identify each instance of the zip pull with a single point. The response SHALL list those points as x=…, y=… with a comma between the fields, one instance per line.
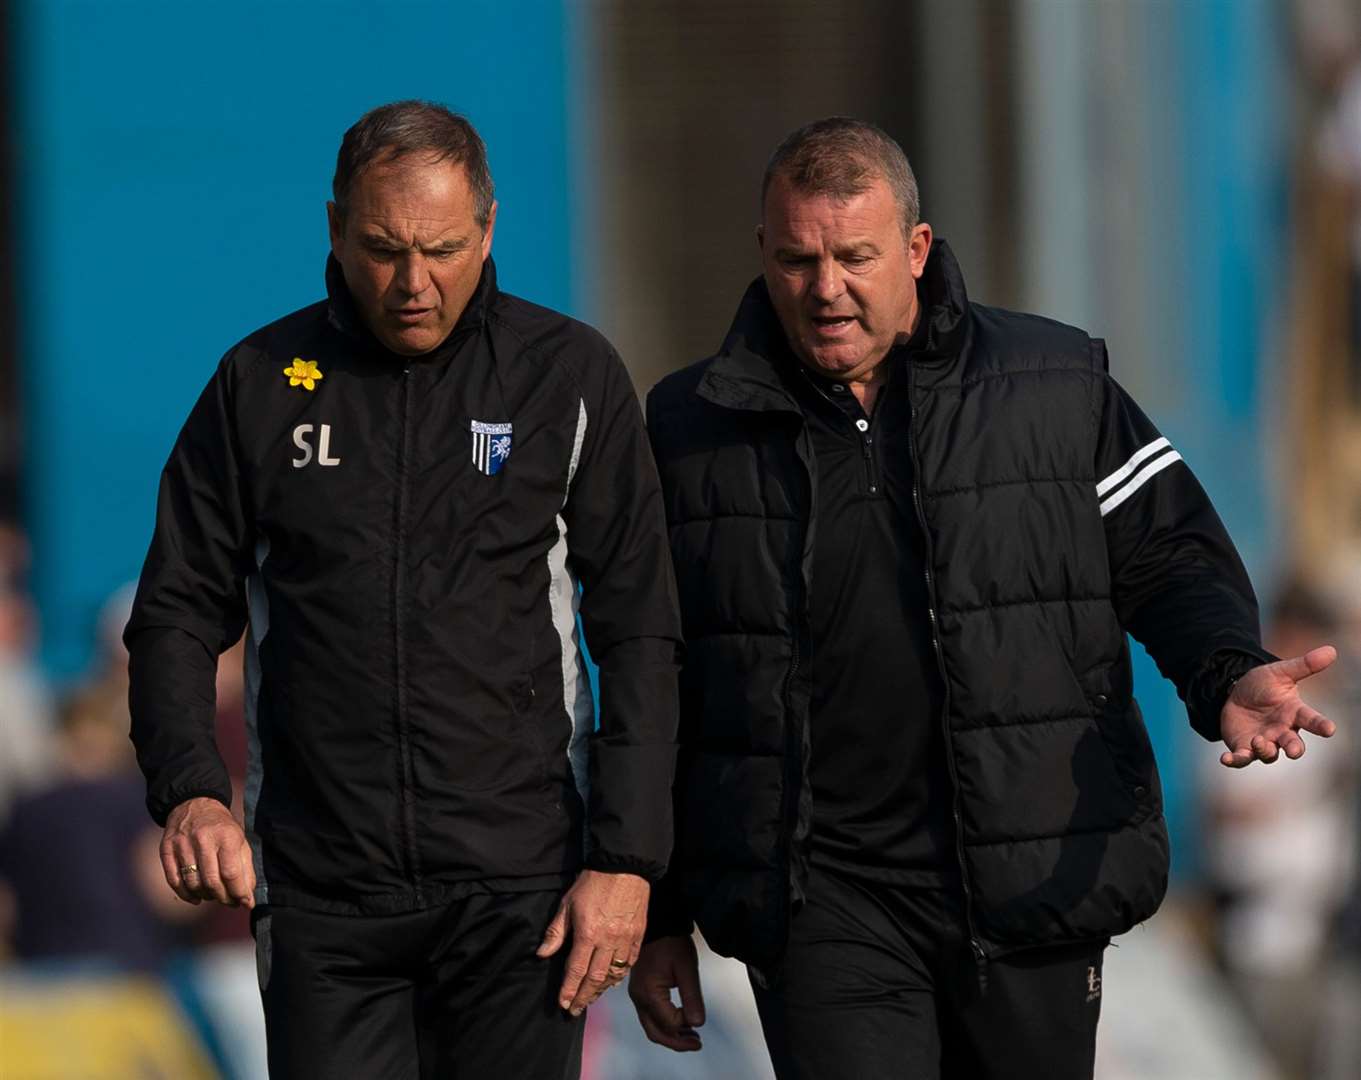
x=981, y=963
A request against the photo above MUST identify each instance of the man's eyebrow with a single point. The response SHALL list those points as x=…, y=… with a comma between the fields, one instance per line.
x=374, y=239
x=391, y=243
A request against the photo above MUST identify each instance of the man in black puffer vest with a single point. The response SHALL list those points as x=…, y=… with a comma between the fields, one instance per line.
x=910, y=533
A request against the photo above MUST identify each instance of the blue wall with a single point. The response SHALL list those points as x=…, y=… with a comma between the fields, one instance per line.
x=174, y=161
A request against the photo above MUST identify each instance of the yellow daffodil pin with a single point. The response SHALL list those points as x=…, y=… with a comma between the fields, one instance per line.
x=303, y=373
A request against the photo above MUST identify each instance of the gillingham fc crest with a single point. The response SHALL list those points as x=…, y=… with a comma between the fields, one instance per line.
x=491, y=446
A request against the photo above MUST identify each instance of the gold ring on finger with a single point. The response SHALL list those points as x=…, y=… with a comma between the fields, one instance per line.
x=192, y=868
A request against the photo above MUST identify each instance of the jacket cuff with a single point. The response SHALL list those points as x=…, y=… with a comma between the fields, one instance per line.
x=160, y=808
x=1210, y=687
x=607, y=863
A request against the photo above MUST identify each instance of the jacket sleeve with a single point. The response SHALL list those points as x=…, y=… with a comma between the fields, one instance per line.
x=616, y=536
x=189, y=608
x=668, y=914
x=1178, y=584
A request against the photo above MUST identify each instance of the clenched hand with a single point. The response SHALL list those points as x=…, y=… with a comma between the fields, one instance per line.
x=205, y=855
x=665, y=963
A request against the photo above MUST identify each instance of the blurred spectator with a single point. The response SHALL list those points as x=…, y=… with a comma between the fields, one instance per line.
x=1340, y=1052
x=1281, y=844
x=79, y=856
x=25, y=709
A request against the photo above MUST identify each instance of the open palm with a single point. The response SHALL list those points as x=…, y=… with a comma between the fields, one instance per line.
x=1265, y=713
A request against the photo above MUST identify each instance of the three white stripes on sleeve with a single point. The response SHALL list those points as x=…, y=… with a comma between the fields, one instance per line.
x=1134, y=474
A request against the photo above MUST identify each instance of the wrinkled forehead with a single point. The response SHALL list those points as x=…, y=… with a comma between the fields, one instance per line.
x=403, y=194
x=793, y=215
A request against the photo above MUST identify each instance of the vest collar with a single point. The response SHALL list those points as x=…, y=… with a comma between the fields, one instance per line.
x=743, y=374
x=945, y=306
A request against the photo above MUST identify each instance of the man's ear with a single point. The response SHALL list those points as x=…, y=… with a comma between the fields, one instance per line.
x=919, y=249
x=487, y=232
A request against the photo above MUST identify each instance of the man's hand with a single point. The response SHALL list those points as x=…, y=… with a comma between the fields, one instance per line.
x=664, y=963
x=605, y=915
x=205, y=855
x=1264, y=713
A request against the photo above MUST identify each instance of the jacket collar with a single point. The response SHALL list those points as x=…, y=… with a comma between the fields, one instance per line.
x=343, y=314
x=744, y=374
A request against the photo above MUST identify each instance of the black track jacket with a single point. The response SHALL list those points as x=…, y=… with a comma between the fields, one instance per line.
x=405, y=541
x=1054, y=518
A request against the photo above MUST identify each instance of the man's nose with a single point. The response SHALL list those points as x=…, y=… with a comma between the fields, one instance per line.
x=827, y=282
x=413, y=276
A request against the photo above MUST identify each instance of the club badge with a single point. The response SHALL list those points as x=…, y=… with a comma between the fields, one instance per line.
x=491, y=446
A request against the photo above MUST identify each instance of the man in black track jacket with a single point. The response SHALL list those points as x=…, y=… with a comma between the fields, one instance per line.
x=915, y=794
x=404, y=494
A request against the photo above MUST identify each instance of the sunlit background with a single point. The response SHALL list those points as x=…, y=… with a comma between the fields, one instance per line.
x=1180, y=177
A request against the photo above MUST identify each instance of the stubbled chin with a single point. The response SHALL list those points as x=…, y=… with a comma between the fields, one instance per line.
x=835, y=359
x=411, y=342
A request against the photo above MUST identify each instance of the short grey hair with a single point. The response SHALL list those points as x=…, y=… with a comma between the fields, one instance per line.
x=404, y=128
x=842, y=157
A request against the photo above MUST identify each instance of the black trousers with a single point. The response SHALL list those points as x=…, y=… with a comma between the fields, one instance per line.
x=879, y=982
x=451, y=992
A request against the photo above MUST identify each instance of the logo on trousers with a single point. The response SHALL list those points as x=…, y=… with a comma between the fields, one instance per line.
x=1093, y=985
x=491, y=446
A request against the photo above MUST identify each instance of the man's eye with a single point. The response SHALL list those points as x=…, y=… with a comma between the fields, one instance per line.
x=442, y=256
x=856, y=260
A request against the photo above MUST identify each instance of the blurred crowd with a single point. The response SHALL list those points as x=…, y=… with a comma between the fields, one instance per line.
x=83, y=901
x=80, y=866
x=1282, y=845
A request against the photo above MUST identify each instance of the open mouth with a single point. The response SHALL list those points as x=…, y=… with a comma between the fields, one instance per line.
x=832, y=325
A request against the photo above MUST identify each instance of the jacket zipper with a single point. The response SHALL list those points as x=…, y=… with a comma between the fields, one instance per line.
x=405, y=783
x=975, y=946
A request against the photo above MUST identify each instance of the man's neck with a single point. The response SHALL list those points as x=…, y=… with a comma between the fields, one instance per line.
x=866, y=387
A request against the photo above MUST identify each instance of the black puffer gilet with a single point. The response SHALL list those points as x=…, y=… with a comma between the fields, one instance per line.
x=1057, y=800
